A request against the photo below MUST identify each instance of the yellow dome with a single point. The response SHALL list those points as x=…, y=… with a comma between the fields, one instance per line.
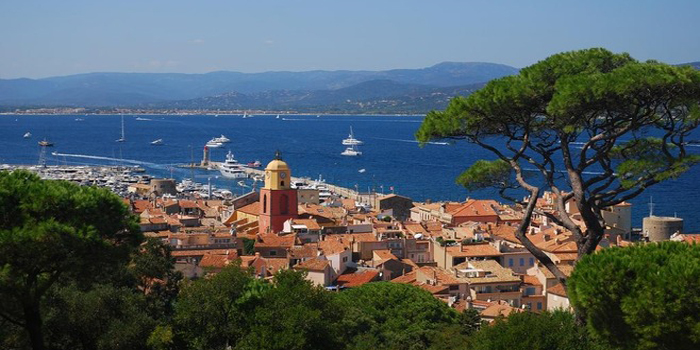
x=277, y=165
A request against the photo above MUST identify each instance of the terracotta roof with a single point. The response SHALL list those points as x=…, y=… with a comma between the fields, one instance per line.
x=357, y=279
x=308, y=250
x=356, y=237
x=558, y=289
x=384, y=254
x=499, y=309
x=211, y=260
x=187, y=204
x=252, y=208
x=314, y=264
x=473, y=250
x=532, y=280
x=475, y=207
x=276, y=264
x=140, y=205
x=332, y=247
x=443, y=280
x=310, y=224
x=273, y=240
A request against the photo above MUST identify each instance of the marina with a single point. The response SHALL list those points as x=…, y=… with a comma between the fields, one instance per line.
x=391, y=155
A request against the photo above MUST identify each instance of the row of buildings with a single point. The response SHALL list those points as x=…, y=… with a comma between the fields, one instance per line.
x=464, y=253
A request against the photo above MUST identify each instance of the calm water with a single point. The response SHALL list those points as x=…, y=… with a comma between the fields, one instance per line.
x=310, y=145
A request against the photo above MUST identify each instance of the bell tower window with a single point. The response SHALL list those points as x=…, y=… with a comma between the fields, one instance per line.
x=265, y=204
x=284, y=204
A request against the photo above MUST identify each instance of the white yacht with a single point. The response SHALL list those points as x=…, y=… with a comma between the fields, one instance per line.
x=351, y=140
x=158, y=142
x=27, y=135
x=214, y=144
x=351, y=151
x=221, y=139
x=231, y=168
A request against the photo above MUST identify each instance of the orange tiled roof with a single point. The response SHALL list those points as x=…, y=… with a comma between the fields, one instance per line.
x=251, y=209
x=475, y=207
x=315, y=264
x=527, y=279
x=557, y=290
x=308, y=250
x=384, y=254
x=332, y=246
x=473, y=250
x=357, y=279
x=499, y=309
x=273, y=240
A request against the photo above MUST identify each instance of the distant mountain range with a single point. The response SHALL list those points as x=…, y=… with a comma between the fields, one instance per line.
x=393, y=91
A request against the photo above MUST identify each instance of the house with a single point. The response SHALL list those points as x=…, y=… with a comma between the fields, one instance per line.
x=391, y=266
x=337, y=254
x=438, y=281
x=319, y=271
x=400, y=206
x=274, y=246
x=533, y=294
x=488, y=280
x=557, y=298
x=447, y=256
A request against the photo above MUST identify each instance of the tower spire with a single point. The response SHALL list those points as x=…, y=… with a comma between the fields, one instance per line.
x=278, y=155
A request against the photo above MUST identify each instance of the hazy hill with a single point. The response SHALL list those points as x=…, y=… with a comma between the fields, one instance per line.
x=130, y=89
x=376, y=96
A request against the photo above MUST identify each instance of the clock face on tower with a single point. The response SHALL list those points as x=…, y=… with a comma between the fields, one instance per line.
x=283, y=175
x=267, y=174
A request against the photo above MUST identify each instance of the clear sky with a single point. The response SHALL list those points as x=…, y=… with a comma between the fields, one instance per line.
x=48, y=38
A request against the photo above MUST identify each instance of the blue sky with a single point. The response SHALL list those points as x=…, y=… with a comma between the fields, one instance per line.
x=48, y=38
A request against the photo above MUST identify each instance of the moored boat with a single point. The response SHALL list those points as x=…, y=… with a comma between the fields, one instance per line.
x=230, y=168
x=351, y=151
x=351, y=140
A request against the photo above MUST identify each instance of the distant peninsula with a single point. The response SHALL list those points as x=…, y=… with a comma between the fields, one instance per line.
x=398, y=91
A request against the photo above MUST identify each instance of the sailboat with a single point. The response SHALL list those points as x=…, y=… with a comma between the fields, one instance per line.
x=351, y=140
x=351, y=151
x=123, y=138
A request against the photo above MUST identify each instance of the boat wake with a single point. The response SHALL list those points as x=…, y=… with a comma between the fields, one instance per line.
x=86, y=156
x=414, y=141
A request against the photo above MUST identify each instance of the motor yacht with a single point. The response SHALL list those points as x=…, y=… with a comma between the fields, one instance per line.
x=221, y=139
x=231, y=168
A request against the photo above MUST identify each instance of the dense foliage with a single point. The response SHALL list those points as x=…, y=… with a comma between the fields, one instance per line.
x=525, y=330
x=54, y=232
x=641, y=297
x=387, y=315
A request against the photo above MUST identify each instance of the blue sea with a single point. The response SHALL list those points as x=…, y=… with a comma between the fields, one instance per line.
x=311, y=145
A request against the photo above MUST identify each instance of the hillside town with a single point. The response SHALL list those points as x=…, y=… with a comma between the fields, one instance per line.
x=464, y=253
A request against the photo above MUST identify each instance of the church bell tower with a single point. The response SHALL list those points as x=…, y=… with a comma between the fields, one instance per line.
x=278, y=201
